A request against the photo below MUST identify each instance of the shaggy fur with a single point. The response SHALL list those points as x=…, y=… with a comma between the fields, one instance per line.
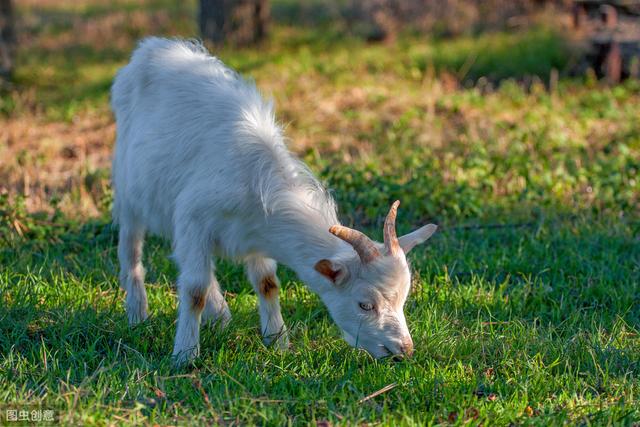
x=200, y=159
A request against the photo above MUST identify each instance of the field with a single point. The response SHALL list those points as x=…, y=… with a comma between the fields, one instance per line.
x=525, y=305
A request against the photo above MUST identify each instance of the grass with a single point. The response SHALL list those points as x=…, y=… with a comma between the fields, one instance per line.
x=528, y=325
x=524, y=305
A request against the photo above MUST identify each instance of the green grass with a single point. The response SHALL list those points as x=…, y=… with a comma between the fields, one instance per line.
x=524, y=306
x=503, y=319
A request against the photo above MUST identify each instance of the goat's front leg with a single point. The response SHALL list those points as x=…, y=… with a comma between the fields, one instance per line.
x=262, y=275
x=194, y=281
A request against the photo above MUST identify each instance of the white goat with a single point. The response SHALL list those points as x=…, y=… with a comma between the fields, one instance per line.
x=200, y=159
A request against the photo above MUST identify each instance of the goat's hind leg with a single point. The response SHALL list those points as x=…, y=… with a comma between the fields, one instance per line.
x=132, y=272
x=216, y=311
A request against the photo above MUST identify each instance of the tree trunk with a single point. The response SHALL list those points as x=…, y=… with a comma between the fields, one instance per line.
x=239, y=22
x=7, y=39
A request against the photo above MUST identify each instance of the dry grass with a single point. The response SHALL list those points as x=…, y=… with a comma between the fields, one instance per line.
x=57, y=159
x=65, y=47
x=341, y=99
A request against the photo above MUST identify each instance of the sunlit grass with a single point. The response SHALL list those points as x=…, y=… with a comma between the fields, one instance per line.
x=530, y=324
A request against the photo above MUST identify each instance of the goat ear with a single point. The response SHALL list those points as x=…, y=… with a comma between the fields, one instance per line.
x=335, y=272
x=409, y=241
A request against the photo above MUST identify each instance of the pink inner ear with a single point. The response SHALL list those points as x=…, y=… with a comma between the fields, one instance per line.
x=324, y=267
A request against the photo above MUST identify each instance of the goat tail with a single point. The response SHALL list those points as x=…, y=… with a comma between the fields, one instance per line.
x=132, y=78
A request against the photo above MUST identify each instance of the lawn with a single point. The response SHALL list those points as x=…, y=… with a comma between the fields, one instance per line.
x=525, y=305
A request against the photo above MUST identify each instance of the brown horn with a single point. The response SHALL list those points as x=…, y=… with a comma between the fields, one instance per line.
x=390, y=237
x=364, y=247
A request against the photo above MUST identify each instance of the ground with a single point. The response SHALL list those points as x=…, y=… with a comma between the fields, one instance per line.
x=524, y=305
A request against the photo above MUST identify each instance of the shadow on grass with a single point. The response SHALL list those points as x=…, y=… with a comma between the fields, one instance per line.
x=547, y=309
x=581, y=271
x=61, y=291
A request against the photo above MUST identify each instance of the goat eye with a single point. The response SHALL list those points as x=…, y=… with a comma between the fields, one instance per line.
x=365, y=306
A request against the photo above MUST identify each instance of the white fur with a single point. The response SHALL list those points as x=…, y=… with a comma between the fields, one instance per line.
x=200, y=159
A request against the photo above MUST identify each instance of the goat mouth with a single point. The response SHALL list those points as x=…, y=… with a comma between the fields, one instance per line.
x=391, y=355
x=388, y=352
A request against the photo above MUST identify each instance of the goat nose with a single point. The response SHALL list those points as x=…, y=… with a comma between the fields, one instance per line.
x=407, y=347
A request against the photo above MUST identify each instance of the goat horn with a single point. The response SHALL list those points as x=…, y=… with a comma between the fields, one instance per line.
x=364, y=247
x=390, y=238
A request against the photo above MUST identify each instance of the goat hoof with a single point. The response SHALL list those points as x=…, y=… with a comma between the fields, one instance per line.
x=183, y=357
x=137, y=314
x=216, y=320
x=279, y=341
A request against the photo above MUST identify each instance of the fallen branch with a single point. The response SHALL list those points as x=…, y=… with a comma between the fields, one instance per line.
x=379, y=392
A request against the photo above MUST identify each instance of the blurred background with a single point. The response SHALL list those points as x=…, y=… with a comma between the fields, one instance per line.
x=466, y=110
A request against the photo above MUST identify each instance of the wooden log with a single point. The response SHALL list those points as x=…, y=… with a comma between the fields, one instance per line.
x=579, y=15
x=238, y=22
x=609, y=16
